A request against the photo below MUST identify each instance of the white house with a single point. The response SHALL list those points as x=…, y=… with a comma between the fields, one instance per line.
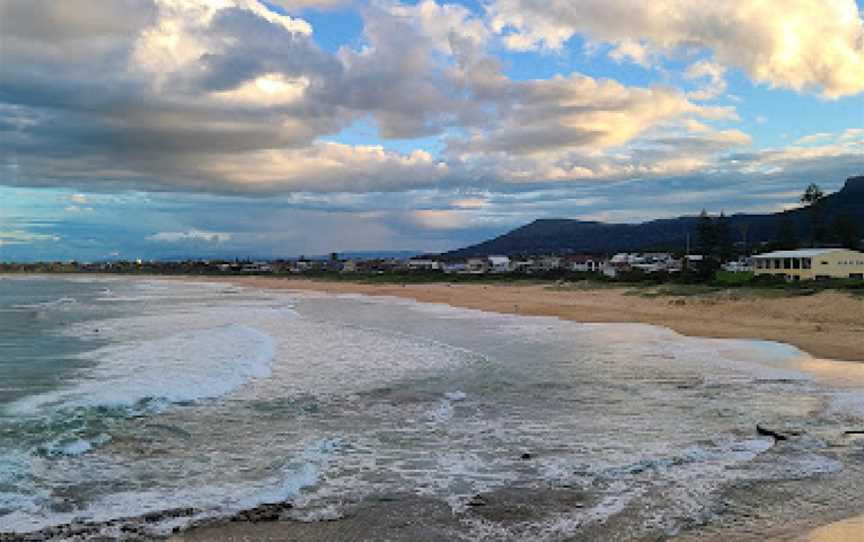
x=477, y=265
x=499, y=264
x=423, y=265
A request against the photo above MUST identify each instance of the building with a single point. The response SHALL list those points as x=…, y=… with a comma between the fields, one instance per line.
x=477, y=265
x=424, y=265
x=810, y=264
x=499, y=264
x=741, y=265
x=585, y=263
x=454, y=267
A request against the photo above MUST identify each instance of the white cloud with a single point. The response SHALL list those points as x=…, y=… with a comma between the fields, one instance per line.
x=21, y=237
x=190, y=236
x=714, y=73
x=799, y=44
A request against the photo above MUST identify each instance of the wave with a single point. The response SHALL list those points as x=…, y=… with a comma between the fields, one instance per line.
x=179, y=368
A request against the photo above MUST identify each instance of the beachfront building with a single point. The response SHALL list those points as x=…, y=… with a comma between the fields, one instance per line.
x=421, y=264
x=810, y=264
x=454, y=267
x=585, y=263
x=499, y=264
x=477, y=265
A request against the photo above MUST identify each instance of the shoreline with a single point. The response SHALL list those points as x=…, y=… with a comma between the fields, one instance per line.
x=825, y=321
x=825, y=328
x=825, y=325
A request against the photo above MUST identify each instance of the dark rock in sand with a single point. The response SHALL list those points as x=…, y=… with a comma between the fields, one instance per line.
x=778, y=435
x=263, y=512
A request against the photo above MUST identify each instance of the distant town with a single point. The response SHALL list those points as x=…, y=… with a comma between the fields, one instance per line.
x=789, y=265
x=816, y=250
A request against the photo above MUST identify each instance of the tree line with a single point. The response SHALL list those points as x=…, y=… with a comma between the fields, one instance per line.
x=717, y=241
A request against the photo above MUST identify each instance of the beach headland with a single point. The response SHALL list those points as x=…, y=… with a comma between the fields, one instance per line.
x=827, y=324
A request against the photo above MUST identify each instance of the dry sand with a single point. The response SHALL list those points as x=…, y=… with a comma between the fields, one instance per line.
x=825, y=325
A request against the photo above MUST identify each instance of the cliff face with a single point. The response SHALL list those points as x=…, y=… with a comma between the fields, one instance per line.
x=563, y=235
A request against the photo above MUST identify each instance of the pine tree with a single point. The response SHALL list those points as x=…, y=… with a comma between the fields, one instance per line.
x=846, y=231
x=706, y=234
x=786, y=237
x=723, y=236
x=812, y=199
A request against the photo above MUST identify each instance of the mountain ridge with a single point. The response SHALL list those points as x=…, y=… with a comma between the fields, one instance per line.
x=562, y=235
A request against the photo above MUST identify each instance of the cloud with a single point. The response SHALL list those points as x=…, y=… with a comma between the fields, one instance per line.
x=805, y=45
x=815, y=138
x=235, y=98
x=714, y=73
x=190, y=236
x=440, y=220
x=21, y=237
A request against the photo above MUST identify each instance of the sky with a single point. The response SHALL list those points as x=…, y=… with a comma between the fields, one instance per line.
x=266, y=129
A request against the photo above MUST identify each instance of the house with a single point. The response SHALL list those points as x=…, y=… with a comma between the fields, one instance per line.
x=585, y=264
x=523, y=266
x=499, y=264
x=741, y=265
x=810, y=264
x=548, y=263
x=477, y=265
x=454, y=267
x=423, y=265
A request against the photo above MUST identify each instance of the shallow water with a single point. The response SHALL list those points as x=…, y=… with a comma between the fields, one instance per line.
x=122, y=397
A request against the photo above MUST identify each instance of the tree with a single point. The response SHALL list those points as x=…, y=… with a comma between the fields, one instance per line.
x=744, y=229
x=723, y=238
x=707, y=241
x=706, y=234
x=846, y=231
x=786, y=237
x=812, y=199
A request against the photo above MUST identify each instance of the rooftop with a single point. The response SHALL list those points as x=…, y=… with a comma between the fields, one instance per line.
x=801, y=253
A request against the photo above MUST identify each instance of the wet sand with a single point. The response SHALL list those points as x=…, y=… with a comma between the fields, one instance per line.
x=825, y=325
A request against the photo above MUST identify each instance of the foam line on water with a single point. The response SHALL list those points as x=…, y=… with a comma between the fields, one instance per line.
x=182, y=367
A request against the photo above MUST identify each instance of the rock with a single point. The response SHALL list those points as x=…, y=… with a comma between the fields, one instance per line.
x=778, y=435
x=476, y=500
x=263, y=512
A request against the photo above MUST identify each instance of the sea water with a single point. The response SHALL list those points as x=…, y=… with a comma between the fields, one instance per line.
x=121, y=397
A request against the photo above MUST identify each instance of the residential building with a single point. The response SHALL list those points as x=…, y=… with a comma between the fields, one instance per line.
x=742, y=265
x=586, y=264
x=809, y=264
x=477, y=265
x=423, y=265
x=499, y=264
x=454, y=267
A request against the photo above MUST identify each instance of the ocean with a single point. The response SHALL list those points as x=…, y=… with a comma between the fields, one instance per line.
x=121, y=397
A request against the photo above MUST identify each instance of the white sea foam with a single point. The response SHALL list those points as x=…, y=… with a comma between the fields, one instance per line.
x=183, y=367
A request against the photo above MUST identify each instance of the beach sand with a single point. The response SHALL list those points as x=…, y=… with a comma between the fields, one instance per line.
x=825, y=325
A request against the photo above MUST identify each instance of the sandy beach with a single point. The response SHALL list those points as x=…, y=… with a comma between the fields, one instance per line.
x=825, y=325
